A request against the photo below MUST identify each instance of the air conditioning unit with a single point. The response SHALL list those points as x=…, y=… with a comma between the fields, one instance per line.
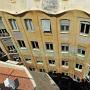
x=9, y=83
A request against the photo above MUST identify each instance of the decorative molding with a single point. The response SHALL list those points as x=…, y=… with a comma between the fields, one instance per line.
x=50, y=5
x=47, y=6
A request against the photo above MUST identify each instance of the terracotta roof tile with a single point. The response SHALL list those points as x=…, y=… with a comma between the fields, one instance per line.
x=19, y=76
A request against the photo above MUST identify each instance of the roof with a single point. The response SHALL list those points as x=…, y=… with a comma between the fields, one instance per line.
x=43, y=81
x=48, y=6
x=23, y=80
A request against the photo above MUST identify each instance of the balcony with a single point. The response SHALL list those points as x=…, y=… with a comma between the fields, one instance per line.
x=2, y=54
x=12, y=52
x=4, y=35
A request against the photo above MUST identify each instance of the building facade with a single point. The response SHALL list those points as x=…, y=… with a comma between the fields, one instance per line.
x=48, y=42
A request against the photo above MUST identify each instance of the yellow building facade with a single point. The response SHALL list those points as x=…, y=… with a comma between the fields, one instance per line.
x=48, y=42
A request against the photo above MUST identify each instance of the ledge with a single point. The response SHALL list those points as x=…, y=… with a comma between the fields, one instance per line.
x=47, y=6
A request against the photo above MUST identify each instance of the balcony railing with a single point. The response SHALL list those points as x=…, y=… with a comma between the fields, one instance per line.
x=4, y=35
x=2, y=54
x=12, y=51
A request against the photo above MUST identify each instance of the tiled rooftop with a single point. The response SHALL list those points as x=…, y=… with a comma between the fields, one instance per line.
x=21, y=78
x=25, y=80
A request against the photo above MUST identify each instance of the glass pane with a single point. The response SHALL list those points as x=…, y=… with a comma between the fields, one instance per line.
x=62, y=28
x=47, y=46
x=80, y=67
x=46, y=25
x=87, y=29
x=82, y=28
x=51, y=46
x=83, y=52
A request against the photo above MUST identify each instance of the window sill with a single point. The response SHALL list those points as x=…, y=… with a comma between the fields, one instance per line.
x=31, y=30
x=82, y=34
x=28, y=61
x=23, y=48
x=16, y=30
x=52, y=65
x=50, y=51
x=80, y=55
x=62, y=32
x=6, y=37
x=65, y=66
x=65, y=52
x=40, y=63
x=80, y=70
x=36, y=49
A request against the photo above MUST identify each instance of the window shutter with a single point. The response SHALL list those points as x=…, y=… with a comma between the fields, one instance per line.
x=65, y=22
x=1, y=24
x=46, y=25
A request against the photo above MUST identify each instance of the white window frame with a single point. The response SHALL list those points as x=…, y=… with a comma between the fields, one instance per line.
x=36, y=46
x=49, y=44
x=39, y=61
x=29, y=25
x=43, y=70
x=65, y=23
x=78, y=68
x=76, y=78
x=80, y=53
x=65, y=45
x=11, y=47
x=2, y=26
x=28, y=59
x=3, y=33
x=14, y=24
x=52, y=62
x=46, y=25
x=22, y=46
x=86, y=23
x=66, y=63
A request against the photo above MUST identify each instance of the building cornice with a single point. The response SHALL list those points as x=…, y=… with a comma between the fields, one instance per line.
x=47, y=6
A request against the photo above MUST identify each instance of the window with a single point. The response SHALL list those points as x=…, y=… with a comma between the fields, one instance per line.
x=28, y=59
x=3, y=33
x=51, y=61
x=1, y=24
x=13, y=24
x=17, y=59
x=64, y=24
x=46, y=25
x=42, y=70
x=78, y=66
x=29, y=24
x=65, y=63
x=39, y=60
x=85, y=27
x=21, y=43
x=49, y=46
x=11, y=49
x=65, y=73
x=81, y=50
x=35, y=44
x=64, y=47
x=76, y=78
x=31, y=69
